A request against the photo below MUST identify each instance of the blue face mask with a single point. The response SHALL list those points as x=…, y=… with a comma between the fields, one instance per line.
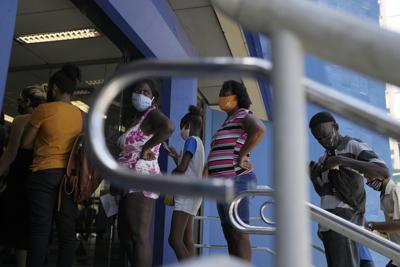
x=141, y=102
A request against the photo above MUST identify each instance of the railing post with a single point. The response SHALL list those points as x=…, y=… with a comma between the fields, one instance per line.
x=289, y=148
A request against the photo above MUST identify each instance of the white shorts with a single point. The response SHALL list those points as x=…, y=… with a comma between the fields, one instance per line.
x=187, y=204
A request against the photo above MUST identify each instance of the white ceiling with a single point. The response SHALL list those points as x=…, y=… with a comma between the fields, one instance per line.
x=207, y=30
x=214, y=35
x=32, y=63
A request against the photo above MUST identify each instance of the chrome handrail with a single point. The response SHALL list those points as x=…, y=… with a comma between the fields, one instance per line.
x=297, y=26
x=262, y=215
x=330, y=34
x=363, y=113
x=323, y=217
x=221, y=189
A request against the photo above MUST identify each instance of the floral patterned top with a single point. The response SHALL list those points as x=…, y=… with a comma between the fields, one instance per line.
x=131, y=144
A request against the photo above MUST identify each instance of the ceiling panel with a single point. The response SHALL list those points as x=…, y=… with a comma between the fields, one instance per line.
x=22, y=56
x=76, y=50
x=51, y=22
x=204, y=31
x=35, y=6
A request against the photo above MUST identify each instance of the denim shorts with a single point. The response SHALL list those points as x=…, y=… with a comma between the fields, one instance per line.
x=241, y=183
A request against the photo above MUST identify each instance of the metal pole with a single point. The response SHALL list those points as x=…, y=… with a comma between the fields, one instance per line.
x=329, y=34
x=289, y=148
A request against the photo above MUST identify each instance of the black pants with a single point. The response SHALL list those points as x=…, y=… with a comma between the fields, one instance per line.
x=339, y=250
x=43, y=188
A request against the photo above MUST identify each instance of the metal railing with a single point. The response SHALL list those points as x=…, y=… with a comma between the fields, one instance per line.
x=221, y=189
x=363, y=113
x=294, y=26
x=326, y=219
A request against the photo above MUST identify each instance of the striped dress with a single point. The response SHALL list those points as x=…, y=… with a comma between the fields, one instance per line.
x=223, y=160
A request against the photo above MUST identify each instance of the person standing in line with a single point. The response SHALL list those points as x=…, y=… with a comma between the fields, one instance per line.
x=390, y=205
x=139, y=152
x=17, y=161
x=229, y=158
x=189, y=163
x=51, y=132
x=338, y=178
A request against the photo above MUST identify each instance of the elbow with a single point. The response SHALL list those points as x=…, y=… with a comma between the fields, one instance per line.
x=260, y=130
x=381, y=172
x=385, y=173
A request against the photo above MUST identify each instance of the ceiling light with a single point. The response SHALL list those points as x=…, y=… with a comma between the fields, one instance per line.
x=8, y=118
x=95, y=82
x=58, y=36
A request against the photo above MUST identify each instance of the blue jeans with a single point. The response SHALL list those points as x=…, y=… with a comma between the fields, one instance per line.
x=241, y=183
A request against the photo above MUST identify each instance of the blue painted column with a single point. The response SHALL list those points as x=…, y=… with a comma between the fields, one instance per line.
x=153, y=28
x=8, y=12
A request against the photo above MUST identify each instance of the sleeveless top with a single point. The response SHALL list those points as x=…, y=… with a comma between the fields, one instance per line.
x=223, y=160
x=131, y=144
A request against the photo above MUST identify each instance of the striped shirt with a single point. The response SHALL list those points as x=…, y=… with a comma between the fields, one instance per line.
x=351, y=148
x=223, y=160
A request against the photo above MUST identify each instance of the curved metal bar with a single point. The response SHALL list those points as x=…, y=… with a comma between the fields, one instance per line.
x=264, y=249
x=221, y=189
x=263, y=217
x=352, y=42
x=238, y=223
x=323, y=217
x=362, y=113
x=352, y=108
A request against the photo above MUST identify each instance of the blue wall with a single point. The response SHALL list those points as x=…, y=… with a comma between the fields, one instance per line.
x=8, y=12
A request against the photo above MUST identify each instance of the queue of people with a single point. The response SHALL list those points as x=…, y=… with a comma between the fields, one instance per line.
x=42, y=137
x=338, y=178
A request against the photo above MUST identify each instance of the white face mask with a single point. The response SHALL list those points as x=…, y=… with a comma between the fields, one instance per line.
x=185, y=133
x=141, y=102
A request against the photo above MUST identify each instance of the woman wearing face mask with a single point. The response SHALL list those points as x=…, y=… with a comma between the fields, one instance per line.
x=190, y=163
x=18, y=161
x=139, y=151
x=51, y=132
x=229, y=158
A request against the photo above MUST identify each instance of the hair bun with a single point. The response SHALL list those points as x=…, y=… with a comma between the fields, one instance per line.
x=73, y=72
x=193, y=110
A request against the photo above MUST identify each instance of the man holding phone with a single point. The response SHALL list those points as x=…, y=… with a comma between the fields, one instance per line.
x=338, y=179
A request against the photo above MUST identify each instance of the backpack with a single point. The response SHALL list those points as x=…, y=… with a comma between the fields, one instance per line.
x=349, y=186
x=80, y=178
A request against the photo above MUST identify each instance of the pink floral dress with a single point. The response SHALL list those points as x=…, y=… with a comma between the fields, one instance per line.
x=131, y=144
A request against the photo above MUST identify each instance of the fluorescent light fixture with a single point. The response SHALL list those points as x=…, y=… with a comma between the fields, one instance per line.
x=95, y=82
x=82, y=106
x=8, y=118
x=58, y=36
